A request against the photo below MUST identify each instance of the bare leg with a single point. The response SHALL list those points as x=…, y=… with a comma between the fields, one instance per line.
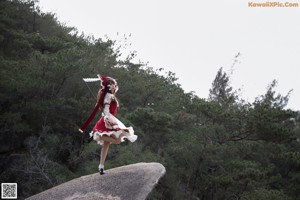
x=112, y=139
x=104, y=150
x=107, y=140
x=118, y=139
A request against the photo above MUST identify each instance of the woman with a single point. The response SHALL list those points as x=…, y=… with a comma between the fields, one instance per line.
x=109, y=130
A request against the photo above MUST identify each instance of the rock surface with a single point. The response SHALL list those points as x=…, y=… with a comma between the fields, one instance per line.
x=130, y=182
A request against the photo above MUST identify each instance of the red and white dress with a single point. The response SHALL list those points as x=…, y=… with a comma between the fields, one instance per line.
x=109, y=124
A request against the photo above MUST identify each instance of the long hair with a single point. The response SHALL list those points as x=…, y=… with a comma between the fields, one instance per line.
x=106, y=90
x=110, y=81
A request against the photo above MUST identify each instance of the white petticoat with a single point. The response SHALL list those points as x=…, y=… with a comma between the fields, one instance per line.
x=116, y=128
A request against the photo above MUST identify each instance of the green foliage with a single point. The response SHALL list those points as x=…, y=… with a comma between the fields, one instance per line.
x=268, y=195
x=221, y=90
x=216, y=148
x=155, y=127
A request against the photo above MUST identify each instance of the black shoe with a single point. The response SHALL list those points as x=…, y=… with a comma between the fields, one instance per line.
x=101, y=171
x=90, y=139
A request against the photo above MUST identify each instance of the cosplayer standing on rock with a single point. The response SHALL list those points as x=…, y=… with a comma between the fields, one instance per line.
x=108, y=130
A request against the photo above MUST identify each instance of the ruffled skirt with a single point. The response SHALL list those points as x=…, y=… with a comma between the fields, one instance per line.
x=110, y=125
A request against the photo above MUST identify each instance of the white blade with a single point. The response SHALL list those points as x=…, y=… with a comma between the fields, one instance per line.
x=91, y=79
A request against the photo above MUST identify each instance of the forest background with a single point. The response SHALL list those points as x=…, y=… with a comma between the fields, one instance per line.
x=222, y=147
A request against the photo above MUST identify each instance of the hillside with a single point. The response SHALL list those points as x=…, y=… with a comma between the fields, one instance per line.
x=219, y=147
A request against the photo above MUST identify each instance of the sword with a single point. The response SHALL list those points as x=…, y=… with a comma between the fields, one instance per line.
x=88, y=80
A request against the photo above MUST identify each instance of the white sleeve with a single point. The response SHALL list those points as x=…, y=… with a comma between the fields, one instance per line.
x=106, y=109
x=106, y=102
x=107, y=99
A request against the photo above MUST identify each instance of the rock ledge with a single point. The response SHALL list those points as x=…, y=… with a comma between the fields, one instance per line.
x=130, y=182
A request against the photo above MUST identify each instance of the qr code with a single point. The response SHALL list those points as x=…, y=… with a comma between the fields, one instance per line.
x=9, y=190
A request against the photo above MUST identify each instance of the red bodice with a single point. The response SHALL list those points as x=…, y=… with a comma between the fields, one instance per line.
x=113, y=107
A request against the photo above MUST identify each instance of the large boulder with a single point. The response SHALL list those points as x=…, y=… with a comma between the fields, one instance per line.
x=130, y=182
